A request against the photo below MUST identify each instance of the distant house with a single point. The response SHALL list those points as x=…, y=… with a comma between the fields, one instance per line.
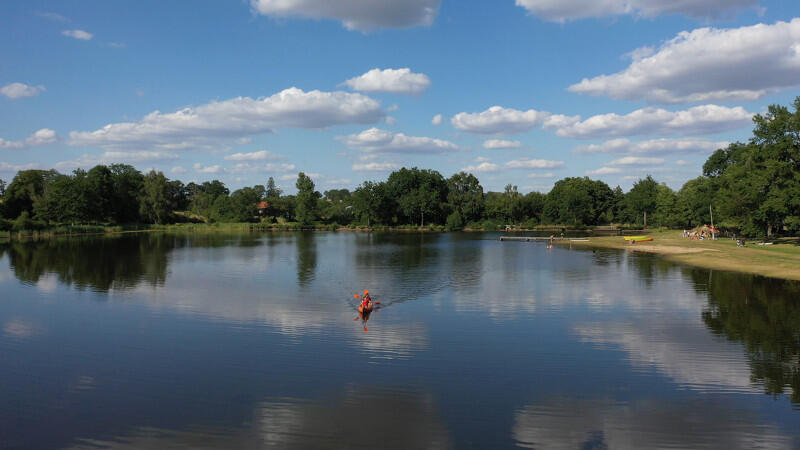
x=262, y=207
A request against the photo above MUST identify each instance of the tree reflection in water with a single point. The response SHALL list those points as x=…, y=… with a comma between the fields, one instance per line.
x=764, y=314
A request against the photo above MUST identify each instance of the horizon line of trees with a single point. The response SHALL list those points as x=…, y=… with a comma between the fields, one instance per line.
x=752, y=188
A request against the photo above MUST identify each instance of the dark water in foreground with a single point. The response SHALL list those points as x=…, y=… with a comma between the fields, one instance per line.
x=252, y=340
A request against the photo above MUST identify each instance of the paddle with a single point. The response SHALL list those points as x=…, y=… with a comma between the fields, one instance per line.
x=359, y=297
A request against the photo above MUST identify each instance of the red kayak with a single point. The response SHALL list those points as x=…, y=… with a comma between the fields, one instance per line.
x=368, y=309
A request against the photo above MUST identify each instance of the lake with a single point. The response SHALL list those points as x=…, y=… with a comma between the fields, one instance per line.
x=160, y=340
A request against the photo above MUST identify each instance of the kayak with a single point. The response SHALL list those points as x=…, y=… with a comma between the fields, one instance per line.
x=641, y=240
x=368, y=309
x=634, y=238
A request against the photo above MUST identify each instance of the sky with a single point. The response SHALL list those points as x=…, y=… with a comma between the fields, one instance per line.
x=522, y=92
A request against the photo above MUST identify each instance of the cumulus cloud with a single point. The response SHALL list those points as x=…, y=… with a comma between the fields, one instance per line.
x=207, y=125
x=78, y=34
x=363, y=15
x=254, y=156
x=541, y=175
x=708, y=64
x=200, y=168
x=604, y=171
x=382, y=141
x=113, y=157
x=498, y=120
x=703, y=119
x=43, y=136
x=525, y=163
x=437, y=119
x=19, y=90
x=8, y=167
x=269, y=167
x=565, y=10
x=481, y=168
x=654, y=146
x=375, y=167
x=396, y=81
x=177, y=170
x=636, y=161
x=494, y=144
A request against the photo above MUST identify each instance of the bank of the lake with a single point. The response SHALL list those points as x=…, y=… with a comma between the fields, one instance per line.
x=781, y=259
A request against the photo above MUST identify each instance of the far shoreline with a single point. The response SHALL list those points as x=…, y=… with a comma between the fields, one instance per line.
x=780, y=260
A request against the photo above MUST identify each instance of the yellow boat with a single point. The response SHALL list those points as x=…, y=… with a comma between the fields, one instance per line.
x=634, y=238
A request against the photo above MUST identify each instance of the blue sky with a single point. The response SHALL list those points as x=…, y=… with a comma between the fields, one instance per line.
x=516, y=91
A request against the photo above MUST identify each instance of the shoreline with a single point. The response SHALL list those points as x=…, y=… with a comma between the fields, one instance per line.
x=780, y=260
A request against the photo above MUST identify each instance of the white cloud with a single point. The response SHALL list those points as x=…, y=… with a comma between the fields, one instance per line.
x=525, y=163
x=541, y=175
x=382, y=141
x=437, y=119
x=654, y=146
x=481, y=168
x=254, y=156
x=7, y=167
x=498, y=120
x=375, y=167
x=207, y=125
x=709, y=64
x=604, y=171
x=564, y=10
x=78, y=34
x=177, y=170
x=269, y=167
x=200, y=168
x=636, y=161
x=113, y=157
x=703, y=119
x=19, y=90
x=500, y=144
x=43, y=136
x=681, y=162
x=52, y=16
x=482, y=159
x=396, y=81
x=363, y=15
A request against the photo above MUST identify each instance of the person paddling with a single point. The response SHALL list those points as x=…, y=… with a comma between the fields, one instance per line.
x=366, y=301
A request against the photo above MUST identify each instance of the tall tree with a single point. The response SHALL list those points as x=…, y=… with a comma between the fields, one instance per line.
x=368, y=199
x=27, y=187
x=306, y=201
x=641, y=199
x=155, y=201
x=419, y=193
x=465, y=196
x=127, y=182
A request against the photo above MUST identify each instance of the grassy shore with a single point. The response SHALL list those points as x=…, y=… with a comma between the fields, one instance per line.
x=779, y=260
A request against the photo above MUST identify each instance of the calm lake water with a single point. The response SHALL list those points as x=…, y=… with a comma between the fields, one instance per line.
x=253, y=341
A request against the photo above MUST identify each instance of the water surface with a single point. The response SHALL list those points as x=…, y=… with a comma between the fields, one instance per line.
x=253, y=340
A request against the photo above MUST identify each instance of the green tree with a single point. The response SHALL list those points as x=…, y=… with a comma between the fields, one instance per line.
x=99, y=194
x=419, y=193
x=26, y=187
x=155, y=201
x=306, y=203
x=127, y=188
x=578, y=201
x=368, y=200
x=465, y=196
x=641, y=199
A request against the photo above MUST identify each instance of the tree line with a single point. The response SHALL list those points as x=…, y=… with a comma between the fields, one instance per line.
x=752, y=188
